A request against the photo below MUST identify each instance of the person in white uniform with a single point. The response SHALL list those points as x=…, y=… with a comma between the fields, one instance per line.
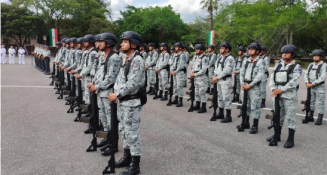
x=3, y=54
x=21, y=54
x=12, y=53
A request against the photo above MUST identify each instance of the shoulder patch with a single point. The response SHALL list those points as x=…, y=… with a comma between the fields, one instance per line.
x=136, y=65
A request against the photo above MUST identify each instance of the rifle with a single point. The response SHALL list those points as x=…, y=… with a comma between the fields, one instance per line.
x=56, y=78
x=192, y=95
x=214, y=102
x=112, y=138
x=72, y=96
x=275, y=122
x=79, y=100
x=171, y=89
x=243, y=108
x=234, y=89
x=61, y=86
x=53, y=74
x=307, y=104
x=94, y=121
x=68, y=89
x=146, y=79
x=156, y=86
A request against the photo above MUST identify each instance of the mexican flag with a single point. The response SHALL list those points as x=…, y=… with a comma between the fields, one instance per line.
x=211, y=36
x=53, y=33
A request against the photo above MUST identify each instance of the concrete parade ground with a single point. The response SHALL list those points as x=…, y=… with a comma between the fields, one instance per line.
x=38, y=137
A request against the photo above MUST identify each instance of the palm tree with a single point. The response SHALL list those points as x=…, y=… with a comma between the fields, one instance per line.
x=210, y=5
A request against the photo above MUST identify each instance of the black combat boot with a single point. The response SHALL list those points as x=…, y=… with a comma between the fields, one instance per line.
x=220, y=114
x=107, y=151
x=165, y=97
x=290, y=140
x=125, y=160
x=263, y=103
x=319, y=120
x=153, y=92
x=203, y=109
x=208, y=90
x=211, y=91
x=197, y=106
x=228, y=117
x=180, y=103
x=102, y=143
x=134, y=167
x=309, y=118
x=254, y=128
x=175, y=101
x=271, y=138
x=150, y=90
x=246, y=124
x=158, y=96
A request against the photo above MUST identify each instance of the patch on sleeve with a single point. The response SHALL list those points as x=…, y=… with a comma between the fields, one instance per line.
x=136, y=65
x=298, y=70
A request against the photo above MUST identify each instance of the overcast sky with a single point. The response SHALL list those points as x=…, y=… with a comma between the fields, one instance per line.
x=188, y=9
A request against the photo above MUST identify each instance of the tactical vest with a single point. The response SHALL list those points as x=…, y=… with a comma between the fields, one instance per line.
x=288, y=72
x=317, y=73
x=223, y=66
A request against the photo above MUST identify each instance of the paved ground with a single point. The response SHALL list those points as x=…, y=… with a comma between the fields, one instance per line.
x=39, y=137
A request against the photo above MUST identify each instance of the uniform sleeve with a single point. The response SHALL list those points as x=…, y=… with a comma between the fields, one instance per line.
x=228, y=69
x=181, y=63
x=113, y=67
x=272, y=84
x=295, y=80
x=154, y=60
x=267, y=63
x=261, y=73
x=87, y=69
x=213, y=60
x=322, y=76
x=306, y=75
x=67, y=61
x=134, y=77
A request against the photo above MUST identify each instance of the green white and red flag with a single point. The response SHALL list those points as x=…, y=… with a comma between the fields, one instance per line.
x=53, y=33
x=211, y=37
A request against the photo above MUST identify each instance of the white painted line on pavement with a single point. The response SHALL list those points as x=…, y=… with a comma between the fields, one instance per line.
x=16, y=86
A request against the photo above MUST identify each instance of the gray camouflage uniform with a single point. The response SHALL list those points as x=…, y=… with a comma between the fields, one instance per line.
x=253, y=76
x=263, y=84
x=223, y=71
x=144, y=55
x=318, y=92
x=289, y=97
x=200, y=67
x=187, y=55
x=104, y=86
x=178, y=67
x=238, y=66
x=162, y=65
x=211, y=67
x=129, y=111
x=86, y=70
x=151, y=61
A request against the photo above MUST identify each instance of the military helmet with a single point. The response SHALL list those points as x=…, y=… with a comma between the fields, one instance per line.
x=73, y=39
x=67, y=41
x=109, y=38
x=255, y=46
x=63, y=37
x=80, y=40
x=133, y=37
x=263, y=48
x=97, y=37
x=226, y=45
x=89, y=38
x=172, y=48
x=289, y=49
x=178, y=44
x=212, y=47
x=200, y=46
x=151, y=44
x=59, y=44
x=164, y=45
x=241, y=48
x=318, y=52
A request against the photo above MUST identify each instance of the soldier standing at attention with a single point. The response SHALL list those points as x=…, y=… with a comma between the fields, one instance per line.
x=238, y=65
x=266, y=62
x=315, y=78
x=162, y=70
x=223, y=76
x=177, y=69
x=211, y=67
x=130, y=80
x=150, y=64
x=199, y=73
x=284, y=81
x=187, y=61
x=143, y=52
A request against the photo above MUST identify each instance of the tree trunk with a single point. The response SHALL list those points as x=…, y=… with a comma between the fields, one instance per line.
x=211, y=20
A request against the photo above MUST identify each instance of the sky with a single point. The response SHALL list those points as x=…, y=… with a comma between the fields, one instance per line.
x=188, y=9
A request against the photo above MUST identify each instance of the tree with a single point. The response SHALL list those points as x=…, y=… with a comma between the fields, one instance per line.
x=210, y=5
x=20, y=22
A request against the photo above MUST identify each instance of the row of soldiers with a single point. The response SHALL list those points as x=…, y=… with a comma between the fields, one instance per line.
x=124, y=76
x=42, y=56
x=107, y=88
